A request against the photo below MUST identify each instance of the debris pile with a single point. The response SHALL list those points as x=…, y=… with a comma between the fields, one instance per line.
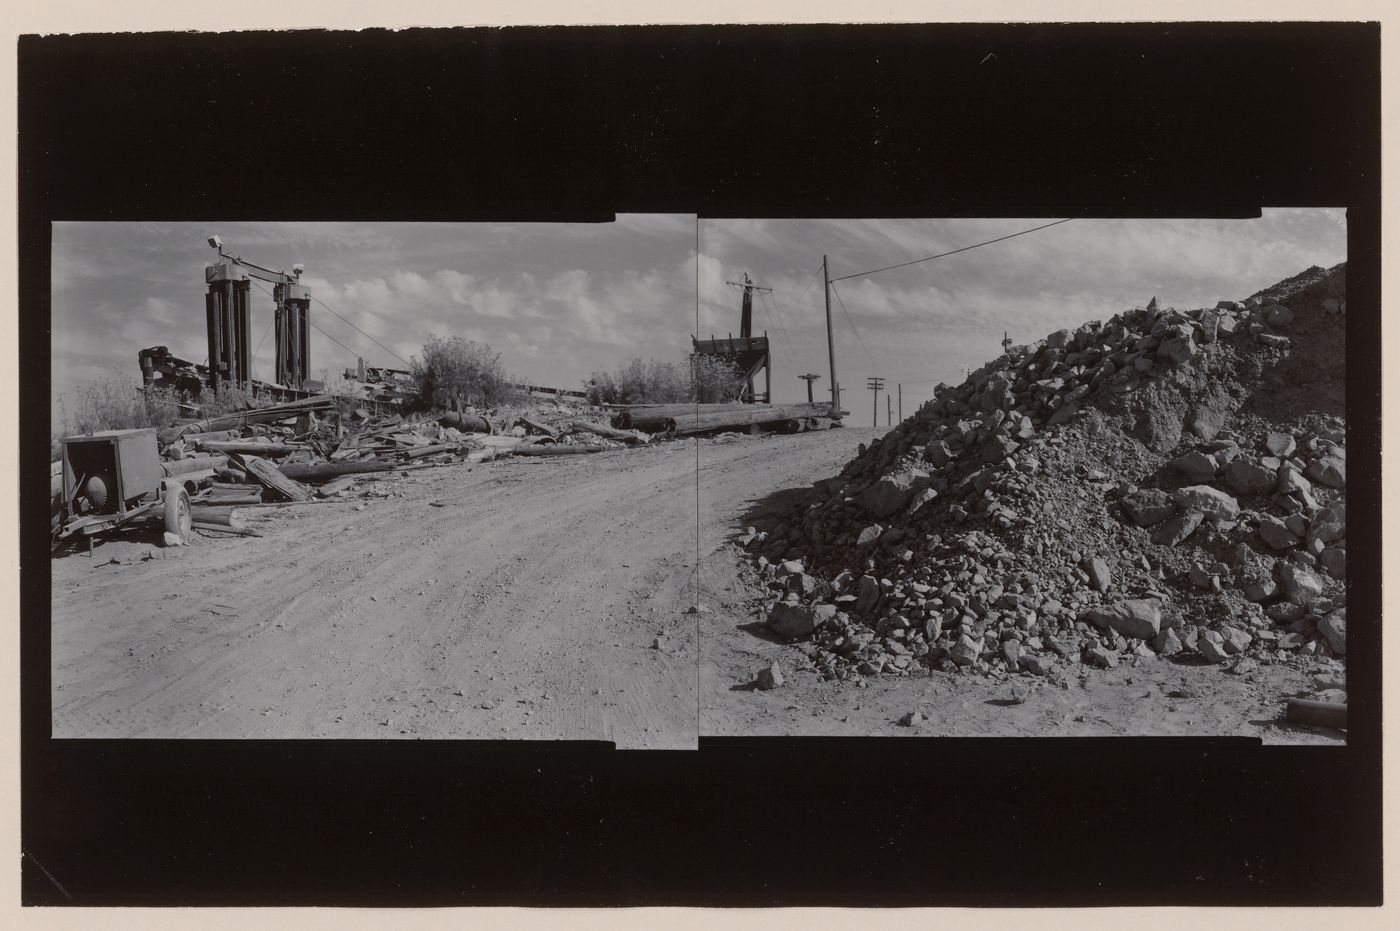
x=329, y=447
x=1164, y=483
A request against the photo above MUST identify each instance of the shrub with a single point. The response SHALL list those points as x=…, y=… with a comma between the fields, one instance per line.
x=456, y=371
x=115, y=402
x=706, y=379
x=714, y=380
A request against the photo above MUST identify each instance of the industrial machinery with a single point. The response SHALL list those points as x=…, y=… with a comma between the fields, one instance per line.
x=748, y=354
x=227, y=317
x=114, y=477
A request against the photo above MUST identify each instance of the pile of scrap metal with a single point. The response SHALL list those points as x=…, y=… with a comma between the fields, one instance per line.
x=688, y=419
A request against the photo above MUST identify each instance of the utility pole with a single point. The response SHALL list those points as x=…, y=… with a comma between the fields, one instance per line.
x=889, y=411
x=901, y=403
x=1005, y=342
x=809, y=378
x=875, y=385
x=830, y=346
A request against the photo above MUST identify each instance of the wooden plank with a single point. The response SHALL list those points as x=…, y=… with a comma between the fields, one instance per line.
x=274, y=478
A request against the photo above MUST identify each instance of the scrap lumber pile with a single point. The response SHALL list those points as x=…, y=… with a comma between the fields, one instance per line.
x=311, y=450
x=1165, y=484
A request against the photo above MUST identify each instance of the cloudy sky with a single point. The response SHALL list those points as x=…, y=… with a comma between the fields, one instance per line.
x=559, y=301
x=925, y=323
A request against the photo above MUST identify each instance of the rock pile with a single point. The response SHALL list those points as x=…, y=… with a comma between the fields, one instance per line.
x=1168, y=482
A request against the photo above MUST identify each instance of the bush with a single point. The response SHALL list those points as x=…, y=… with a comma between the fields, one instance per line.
x=118, y=402
x=713, y=380
x=115, y=402
x=456, y=371
x=706, y=379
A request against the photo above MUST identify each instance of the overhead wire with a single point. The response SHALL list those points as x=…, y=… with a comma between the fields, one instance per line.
x=366, y=335
x=328, y=336
x=854, y=328
x=875, y=271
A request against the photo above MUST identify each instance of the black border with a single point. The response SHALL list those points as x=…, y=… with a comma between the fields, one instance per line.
x=579, y=123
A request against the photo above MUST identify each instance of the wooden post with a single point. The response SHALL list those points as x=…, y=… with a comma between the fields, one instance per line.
x=901, y=403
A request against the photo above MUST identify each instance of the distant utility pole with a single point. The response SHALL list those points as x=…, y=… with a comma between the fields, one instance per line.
x=1005, y=341
x=875, y=385
x=901, y=404
x=889, y=411
x=809, y=378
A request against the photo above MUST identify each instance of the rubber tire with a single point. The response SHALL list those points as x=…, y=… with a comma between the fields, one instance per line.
x=179, y=518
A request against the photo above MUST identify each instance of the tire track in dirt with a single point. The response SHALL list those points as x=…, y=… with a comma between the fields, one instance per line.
x=524, y=607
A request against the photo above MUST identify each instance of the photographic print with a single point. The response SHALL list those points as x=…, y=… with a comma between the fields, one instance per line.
x=1090, y=480
x=360, y=480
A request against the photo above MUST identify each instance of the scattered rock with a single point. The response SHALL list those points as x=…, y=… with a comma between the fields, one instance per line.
x=769, y=678
x=172, y=539
x=911, y=718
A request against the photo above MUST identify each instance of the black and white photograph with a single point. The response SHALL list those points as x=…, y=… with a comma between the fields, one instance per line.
x=1090, y=481
x=360, y=480
x=871, y=466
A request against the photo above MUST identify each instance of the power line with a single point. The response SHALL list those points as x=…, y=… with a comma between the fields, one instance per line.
x=940, y=255
x=366, y=335
x=777, y=315
x=352, y=352
x=840, y=301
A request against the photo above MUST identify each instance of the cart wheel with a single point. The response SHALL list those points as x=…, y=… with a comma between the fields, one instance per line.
x=178, y=517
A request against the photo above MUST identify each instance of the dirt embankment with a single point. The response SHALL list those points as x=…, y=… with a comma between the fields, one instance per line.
x=513, y=599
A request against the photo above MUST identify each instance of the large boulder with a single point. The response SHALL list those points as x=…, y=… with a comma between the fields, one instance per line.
x=1276, y=533
x=1148, y=506
x=794, y=621
x=1211, y=502
x=891, y=493
x=1195, y=465
x=1177, y=528
x=1328, y=470
x=1334, y=628
x=1249, y=478
x=1300, y=585
x=1133, y=617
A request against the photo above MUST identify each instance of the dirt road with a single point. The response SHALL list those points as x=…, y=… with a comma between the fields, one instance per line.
x=1156, y=697
x=515, y=599
x=521, y=599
